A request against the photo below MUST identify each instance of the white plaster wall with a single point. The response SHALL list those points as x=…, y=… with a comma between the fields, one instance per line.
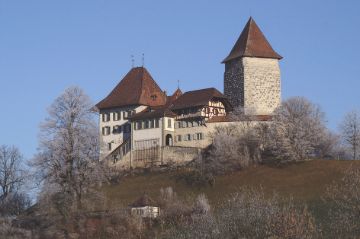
x=147, y=134
x=165, y=120
x=148, y=211
x=116, y=139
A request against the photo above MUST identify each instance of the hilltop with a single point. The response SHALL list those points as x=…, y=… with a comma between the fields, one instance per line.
x=304, y=181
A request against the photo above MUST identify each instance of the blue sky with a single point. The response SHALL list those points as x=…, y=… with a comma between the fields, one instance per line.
x=47, y=46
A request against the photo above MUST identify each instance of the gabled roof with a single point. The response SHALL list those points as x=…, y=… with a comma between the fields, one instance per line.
x=136, y=88
x=174, y=96
x=144, y=201
x=252, y=43
x=199, y=98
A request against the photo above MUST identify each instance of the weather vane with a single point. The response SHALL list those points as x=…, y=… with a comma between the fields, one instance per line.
x=132, y=61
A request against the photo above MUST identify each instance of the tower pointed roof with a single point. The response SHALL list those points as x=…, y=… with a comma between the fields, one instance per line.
x=252, y=43
x=136, y=88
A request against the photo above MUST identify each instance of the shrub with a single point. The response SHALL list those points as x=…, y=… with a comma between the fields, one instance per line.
x=343, y=199
x=249, y=214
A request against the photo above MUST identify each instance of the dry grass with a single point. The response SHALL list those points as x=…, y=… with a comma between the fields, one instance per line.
x=305, y=182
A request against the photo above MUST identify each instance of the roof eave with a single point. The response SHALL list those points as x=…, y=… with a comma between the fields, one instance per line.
x=227, y=59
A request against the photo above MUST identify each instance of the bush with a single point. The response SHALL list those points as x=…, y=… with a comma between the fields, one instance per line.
x=9, y=232
x=343, y=199
x=249, y=214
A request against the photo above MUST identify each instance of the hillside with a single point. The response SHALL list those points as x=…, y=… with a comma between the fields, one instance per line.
x=305, y=181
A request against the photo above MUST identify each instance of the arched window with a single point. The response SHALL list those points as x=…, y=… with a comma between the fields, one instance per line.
x=169, y=140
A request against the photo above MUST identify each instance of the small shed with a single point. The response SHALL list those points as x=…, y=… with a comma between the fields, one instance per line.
x=145, y=207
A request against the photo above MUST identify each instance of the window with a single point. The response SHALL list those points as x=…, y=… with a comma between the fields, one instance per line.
x=157, y=123
x=109, y=146
x=179, y=124
x=187, y=137
x=198, y=136
x=139, y=125
x=106, y=130
x=216, y=111
x=184, y=125
x=153, y=97
x=169, y=124
x=106, y=117
x=125, y=114
x=116, y=116
x=146, y=124
x=152, y=125
x=178, y=138
x=117, y=129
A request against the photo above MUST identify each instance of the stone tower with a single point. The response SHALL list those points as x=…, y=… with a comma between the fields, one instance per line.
x=252, y=73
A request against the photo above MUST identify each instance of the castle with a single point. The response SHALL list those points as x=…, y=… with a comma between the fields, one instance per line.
x=140, y=125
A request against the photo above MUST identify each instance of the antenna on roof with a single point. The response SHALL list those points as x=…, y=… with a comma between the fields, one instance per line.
x=178, y=81
x=143, y=59
x=132, y=61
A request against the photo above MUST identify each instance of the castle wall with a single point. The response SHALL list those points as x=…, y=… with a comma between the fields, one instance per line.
x=253, y=83
x=167, y=155
x=234, y=82
x=262, y=85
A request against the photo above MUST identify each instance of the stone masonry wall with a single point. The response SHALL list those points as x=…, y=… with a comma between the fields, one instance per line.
x=253, y=83
x=234, y=82
x=262, y=85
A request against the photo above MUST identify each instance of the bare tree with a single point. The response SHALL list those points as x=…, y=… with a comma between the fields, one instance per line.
x=350, y=132
x=297, y=129
x=68, y=157
x=12, y=173
x=329, y=146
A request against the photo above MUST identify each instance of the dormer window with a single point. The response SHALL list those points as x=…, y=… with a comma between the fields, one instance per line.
x=153, y=97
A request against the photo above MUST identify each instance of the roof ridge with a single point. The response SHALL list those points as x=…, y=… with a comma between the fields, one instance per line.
x=247, y=34
x=141, y=81
x=208, y=88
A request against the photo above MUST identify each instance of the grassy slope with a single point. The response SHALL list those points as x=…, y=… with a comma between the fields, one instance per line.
x=304, y=181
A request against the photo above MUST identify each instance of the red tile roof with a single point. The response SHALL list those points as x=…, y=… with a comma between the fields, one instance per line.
x=174, y=96
x=199, y=98
x=136, y=88
x=252, y=43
